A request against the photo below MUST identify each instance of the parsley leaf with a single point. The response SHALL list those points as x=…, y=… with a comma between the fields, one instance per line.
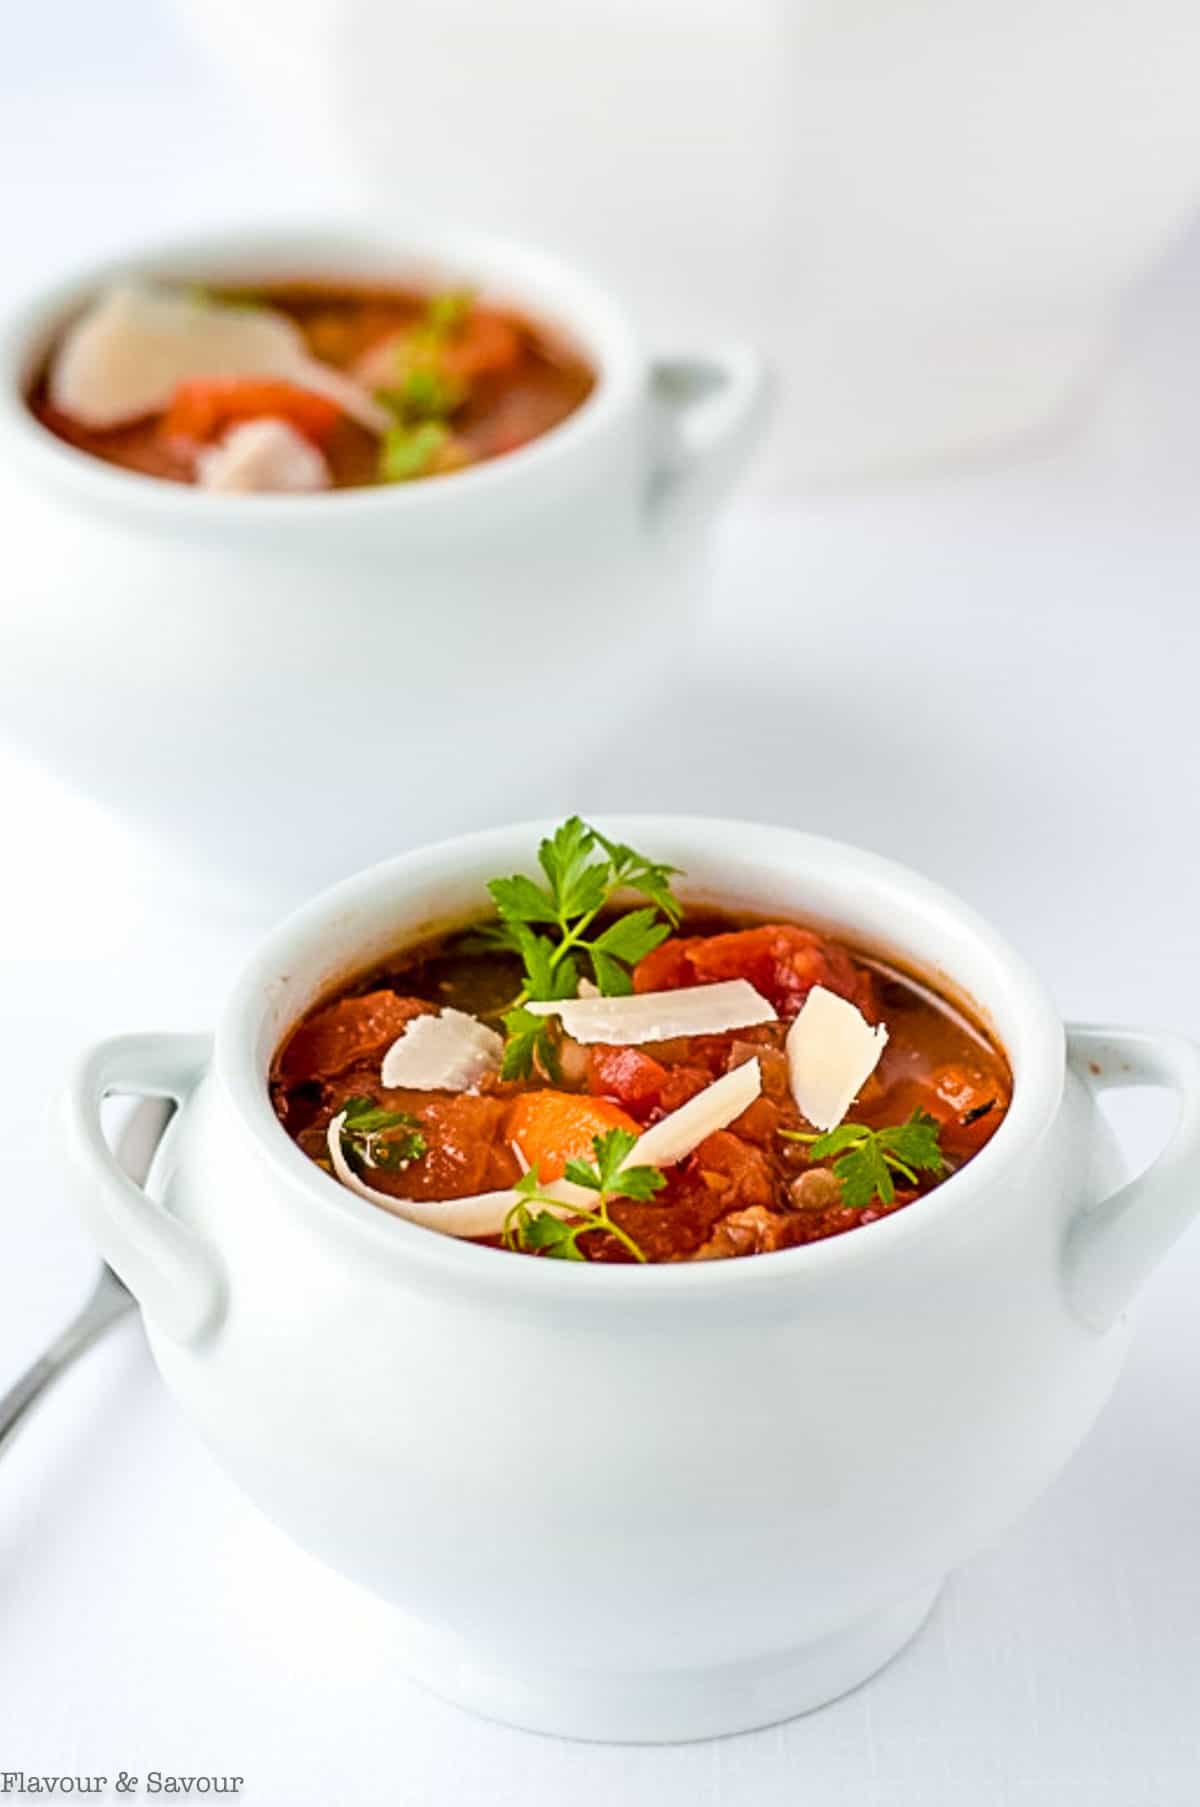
x=369, y=1135
x=915, y=1144
x=407, y=452
x=583, y=873
x=649, y=877
x=447, y=313
x=424, y=389
x=529, y=1046
x=518, y=899
x=864, y=1174
x=548, y=1235
x=548, y=1232
x=423, y=392
x=577, y=887
x=866, y=1161
x=608, y=1178
x=631, y=937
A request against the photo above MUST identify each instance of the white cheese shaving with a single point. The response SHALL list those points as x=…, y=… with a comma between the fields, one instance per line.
x=126, y=355
x=480, y=1214
x=260, y=455
x=683, y=1130
x=832, y=1051
x=446, y=1053
x=659, y=1016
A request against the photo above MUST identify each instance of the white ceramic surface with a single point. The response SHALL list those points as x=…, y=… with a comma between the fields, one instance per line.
x=633, y=1504
x=927, y=214
x=285, y=687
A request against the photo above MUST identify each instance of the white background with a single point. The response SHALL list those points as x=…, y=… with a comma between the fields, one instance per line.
x=991, y=674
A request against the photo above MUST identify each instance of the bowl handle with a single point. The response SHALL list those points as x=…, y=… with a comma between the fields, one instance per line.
x=710, y=408
x=171, y=1271
x=1113, y=1245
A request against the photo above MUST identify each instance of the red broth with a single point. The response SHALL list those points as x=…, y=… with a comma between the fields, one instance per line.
x=484, y=384
x=748, y=1189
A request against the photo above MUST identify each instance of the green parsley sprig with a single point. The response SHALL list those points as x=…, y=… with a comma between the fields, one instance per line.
x=866, y=1161
x=374, y=1137
x=549, y=927
x=424, y=395
x=418, y=449
x=545, y=1232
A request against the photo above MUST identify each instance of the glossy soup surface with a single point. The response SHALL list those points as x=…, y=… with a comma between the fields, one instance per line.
x=745, y=1190
x=464, y=383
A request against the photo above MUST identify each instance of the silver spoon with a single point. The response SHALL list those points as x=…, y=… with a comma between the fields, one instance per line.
x=110, y=1299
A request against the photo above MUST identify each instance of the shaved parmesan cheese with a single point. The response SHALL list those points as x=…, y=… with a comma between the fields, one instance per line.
x=683, y=1130
x=446, y=1053
x=262, y=455
x=126, y=356
x=832, y=1051
x=480, y=1214
x=659, y=1016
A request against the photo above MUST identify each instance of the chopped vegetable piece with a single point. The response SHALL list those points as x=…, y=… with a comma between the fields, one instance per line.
x=780, y=960
x=484, y=345
x=716, y=1107
x=478, y=1214
x=351, y=1032
x=203, y=407
x=552, y=1129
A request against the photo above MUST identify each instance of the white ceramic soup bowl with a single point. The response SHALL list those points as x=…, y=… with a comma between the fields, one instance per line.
x=287, y=686
x=633, y=1503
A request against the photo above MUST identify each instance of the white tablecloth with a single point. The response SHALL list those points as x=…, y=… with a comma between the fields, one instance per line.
x=991, y=675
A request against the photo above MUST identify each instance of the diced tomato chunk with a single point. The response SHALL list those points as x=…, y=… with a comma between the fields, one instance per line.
x=668, y=967
x=626, y=1075
x=760, y=1122
x=745, y=1169
x=681, y=1084
x=781, y=961
x=968, y=1106
x=349, y=1033
x=976, y=1105
x=204, y=407
x=552, y=1128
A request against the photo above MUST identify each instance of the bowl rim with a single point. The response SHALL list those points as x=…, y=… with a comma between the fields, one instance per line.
x=1038, y=1073
x=536, y=281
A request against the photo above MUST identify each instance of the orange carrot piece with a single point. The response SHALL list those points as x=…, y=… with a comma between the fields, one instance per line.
x=202, y=408
x=552, y=1128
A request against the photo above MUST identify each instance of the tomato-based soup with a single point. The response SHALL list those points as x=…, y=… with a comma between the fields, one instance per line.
x=767, y=1179
x=430, y=384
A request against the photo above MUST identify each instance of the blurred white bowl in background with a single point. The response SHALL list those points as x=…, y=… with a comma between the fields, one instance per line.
x=284, y=686
x=927, y=214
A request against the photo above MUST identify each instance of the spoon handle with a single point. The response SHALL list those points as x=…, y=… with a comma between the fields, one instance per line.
x=109, y=1301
